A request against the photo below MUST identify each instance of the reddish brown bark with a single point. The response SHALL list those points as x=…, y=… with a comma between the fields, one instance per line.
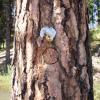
x=54, y=70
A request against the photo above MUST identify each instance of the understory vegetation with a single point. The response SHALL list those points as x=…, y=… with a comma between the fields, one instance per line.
x=5, y=81
x=95, y=46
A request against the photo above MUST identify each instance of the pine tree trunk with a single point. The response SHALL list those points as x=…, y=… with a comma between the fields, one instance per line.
x=57, y=70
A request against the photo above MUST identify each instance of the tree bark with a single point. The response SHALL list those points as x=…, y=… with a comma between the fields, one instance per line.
x=54, y=70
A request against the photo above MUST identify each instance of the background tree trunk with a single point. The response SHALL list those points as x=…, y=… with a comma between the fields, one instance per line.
x=7, y=16
x=98, y=10
x=57, y=70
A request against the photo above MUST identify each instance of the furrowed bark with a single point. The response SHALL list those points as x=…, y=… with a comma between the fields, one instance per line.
x=57, y=70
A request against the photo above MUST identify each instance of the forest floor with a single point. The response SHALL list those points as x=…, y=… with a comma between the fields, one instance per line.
x=96, y=76
x=5, y=79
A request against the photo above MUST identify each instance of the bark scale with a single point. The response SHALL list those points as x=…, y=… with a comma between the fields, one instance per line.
x=57, y=70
